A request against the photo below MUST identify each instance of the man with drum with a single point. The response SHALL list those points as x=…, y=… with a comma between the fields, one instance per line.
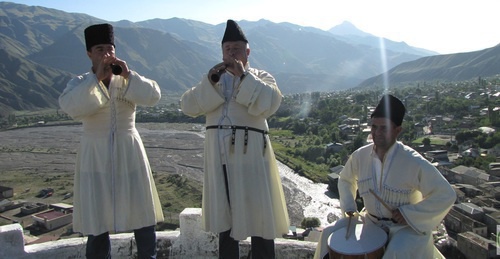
x=403, y=193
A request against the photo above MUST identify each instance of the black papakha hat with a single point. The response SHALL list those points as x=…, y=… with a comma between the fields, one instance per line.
x=233, y=32
x=390, y=107
x=99, y=34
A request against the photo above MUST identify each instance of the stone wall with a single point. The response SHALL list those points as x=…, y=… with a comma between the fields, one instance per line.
x=190, y=242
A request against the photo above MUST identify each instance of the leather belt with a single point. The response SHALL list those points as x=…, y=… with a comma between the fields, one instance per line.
x=246, y=129
x=383, y=219
x=236, y=127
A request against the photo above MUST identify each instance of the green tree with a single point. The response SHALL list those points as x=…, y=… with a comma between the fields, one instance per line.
x=310, y=222
x=426, y=142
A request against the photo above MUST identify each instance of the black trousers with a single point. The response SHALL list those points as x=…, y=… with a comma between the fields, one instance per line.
x=100, y=246
x=229, y=248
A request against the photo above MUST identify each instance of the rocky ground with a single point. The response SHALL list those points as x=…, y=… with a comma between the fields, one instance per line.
x=49, y=152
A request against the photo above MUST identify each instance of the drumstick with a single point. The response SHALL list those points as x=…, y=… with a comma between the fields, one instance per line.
x=381, y=201
x=348, y=227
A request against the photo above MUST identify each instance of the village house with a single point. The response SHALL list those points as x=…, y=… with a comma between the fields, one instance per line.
x=333, y=179
x=334, y=147
x=492, y=220
x=494, y=169
x=468, y=190
x=30, y=208
x=475, y=216
x=458, y=222
x=58, y=215
x=474, y=246
x=6, y=192
x=468, y=175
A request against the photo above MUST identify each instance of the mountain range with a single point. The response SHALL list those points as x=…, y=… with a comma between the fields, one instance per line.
x=42, y=48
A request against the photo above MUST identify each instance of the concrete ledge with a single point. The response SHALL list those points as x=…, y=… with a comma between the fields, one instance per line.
x=64, y=248
x=11, y=241
x=190, y=242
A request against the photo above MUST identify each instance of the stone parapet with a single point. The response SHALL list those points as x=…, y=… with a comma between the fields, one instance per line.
x=190, y=242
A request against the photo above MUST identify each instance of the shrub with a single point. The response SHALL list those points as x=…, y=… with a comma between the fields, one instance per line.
x=310, y=222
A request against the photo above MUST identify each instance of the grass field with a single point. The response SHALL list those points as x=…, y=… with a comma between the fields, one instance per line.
x=439, y=140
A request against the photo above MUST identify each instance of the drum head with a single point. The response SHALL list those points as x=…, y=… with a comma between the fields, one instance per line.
x=362, y=239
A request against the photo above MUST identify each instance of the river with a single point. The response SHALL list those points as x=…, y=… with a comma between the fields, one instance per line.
x=307, y=199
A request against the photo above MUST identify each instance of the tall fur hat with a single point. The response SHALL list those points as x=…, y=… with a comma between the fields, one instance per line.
x=390, y=107
x=99, y=34
x=233, y=32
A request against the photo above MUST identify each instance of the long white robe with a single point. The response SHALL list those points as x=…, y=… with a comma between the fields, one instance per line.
x=408, y=182
x=114, y=190
x=257, y=205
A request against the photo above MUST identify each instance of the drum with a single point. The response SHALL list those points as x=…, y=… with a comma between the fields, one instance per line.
x=363, y=242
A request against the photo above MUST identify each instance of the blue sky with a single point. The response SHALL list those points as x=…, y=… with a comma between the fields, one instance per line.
x=445, y=26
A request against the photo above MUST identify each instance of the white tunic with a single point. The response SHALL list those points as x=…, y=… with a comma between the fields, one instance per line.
x=114, y=190
x=408, y=182
x=257, y=205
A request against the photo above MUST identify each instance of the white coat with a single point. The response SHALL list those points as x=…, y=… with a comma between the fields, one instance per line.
x=114, y=190
x=256, y=205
